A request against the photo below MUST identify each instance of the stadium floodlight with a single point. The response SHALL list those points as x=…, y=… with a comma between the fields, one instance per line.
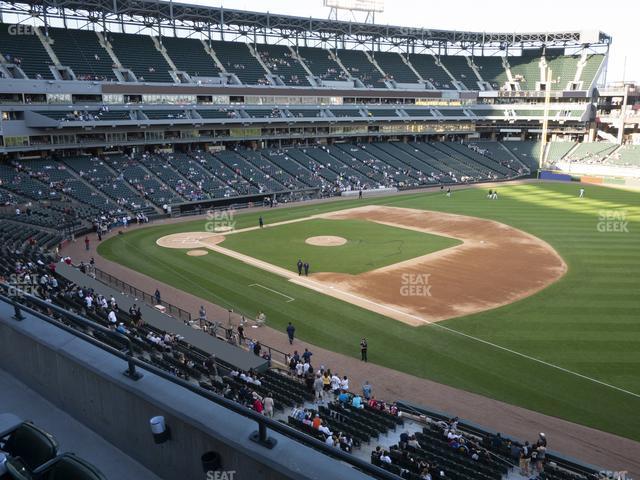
x=376, y=6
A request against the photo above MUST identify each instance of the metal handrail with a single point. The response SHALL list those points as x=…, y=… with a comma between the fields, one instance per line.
x=261, y=436
x=110, y=281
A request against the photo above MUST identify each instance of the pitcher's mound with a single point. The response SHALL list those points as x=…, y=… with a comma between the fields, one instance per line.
x=326, y=241
x=197, y=253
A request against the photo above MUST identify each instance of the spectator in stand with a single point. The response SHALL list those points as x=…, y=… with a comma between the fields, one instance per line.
x=268, y=405
x=366, y=390
x=318, y=388
x=525, y=459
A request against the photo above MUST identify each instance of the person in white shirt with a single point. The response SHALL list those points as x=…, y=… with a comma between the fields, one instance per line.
x=112, y=317
x=305, y=368
x=335, y=382
x=324, y=429
x=385, y=458
x=88, y=300
x=329, y=441
x=299, y=369
x=344, y=384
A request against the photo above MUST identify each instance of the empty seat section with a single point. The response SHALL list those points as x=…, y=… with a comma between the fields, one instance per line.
x=626, y=156
x=222, y=112
x=81, y=50
x=418, y=112
x=395, y=67
x=460, y=69
x=280, y=61
x=264, y=112
x=379, y=112
x=557, y=150
x=236, y=58
x=321, y=64
x=27, y=52
x=525, y=69
x=359, y=66
x=304, y=112
x=451, y=112
x=527, y=151
x=426, y=66
x=346, y=112
x=563, y=69
x=492, y=71
x=139, y=54
x=165, y=114
x=188, y=55
x=592, y=152
x=590, y=70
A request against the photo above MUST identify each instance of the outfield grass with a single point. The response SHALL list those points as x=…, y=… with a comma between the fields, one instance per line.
x=587, y=323
x=369, y=245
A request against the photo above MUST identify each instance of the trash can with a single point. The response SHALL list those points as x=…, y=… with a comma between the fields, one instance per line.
x=211, y=462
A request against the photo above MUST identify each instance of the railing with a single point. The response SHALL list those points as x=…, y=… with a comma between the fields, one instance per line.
x=147, y=298
x=260, y=437
x=213, y=328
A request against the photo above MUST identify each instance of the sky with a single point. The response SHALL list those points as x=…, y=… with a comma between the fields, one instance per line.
x=474, y=15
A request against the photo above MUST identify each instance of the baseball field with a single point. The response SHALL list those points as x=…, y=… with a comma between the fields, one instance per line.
x=532, y=299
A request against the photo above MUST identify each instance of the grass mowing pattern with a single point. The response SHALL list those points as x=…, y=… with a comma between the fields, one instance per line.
x=588, y=322
x=369, y=245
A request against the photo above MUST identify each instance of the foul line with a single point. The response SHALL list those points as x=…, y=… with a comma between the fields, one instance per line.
x=291, y=299
x=486, y=342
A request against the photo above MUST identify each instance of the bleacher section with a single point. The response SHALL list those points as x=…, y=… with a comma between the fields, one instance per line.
x=359, y=66
x=188, y=55
x=237, y=59
x=319, y=61
x=528, y=152
x=395, y=68
x=492, y=71
x=27, y=52
x=591, y=152
x=81, y=50
x=590, y=70
x=626, y=156
x=525, y=69
x=557, y=150
x=563, y=68
x=460, y=69
x=426, y=66
x=139, y=54
x=280, y=61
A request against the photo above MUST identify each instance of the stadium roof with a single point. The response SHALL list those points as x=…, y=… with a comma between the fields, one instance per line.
x=155, y=14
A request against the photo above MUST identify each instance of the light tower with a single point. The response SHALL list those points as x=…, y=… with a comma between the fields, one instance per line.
x=352, y=7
